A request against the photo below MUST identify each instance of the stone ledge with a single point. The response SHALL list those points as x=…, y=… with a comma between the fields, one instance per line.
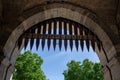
x=5, y=62
x=113, y=61
x=8, y=65
x=11, y=68
x=104, y=69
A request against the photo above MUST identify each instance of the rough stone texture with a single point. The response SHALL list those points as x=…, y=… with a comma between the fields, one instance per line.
x=106, y=73
x=118, y=17
x=2, y=71
x=105, y=10
x=114, y=66
x=105, y=24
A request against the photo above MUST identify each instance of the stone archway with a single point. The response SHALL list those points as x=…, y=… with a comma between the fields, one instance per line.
x=81, y=16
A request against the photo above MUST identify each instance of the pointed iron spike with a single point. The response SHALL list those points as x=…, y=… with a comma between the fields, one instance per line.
x=88, y=45
x=70, y=33
x=49, y=32
x=76, y=33
x=38, y=39
x=31, y=43
x=65, y=45
x=43, y=44
x=37, y=43
x=92, y=41
x=44, y=32
x=48, y=43
x=54, y=44
x=65, y=33
x=60, y=32
x=71, y=45
x=93, y=44
x=82, y=44
x=54, y=31
x=60, y=44
x=76, y=44
x=31, y=38
x=26, y=43
x=81, y=41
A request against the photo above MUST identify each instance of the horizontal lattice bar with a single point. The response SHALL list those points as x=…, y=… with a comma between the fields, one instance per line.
x=68, y=37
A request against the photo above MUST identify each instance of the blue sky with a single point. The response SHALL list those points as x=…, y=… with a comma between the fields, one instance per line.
x=55, y=61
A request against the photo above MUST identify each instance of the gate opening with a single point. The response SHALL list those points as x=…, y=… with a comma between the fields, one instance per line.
x=59, y=32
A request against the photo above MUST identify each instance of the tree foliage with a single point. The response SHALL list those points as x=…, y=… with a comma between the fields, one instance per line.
x=28, y=67
x=83, y=71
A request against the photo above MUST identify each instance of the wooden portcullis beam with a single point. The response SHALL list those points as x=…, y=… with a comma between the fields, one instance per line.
x=64, y=37
x=60, y=29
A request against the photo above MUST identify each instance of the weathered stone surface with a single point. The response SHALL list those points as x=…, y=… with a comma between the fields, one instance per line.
x=101, y=17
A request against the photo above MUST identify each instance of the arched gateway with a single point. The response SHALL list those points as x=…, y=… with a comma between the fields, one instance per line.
x=81, y=25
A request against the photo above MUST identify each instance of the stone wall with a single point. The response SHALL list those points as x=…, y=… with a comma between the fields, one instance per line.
x=17, y=16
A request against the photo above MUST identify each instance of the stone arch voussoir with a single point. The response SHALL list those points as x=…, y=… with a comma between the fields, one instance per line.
x=81, y=16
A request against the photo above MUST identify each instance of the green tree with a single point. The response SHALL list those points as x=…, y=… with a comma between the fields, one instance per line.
x=28, y=67
x=83, y=71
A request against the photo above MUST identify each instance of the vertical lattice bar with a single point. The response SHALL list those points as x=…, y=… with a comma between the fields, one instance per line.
x=38, y=39
x=32, y=39
x=93, y=41
x=26, y=42
x=49, y=32
x=55, y=32
x=70, y=33
x=78, y=30
x=86, y=31
x=65, y=33
x=70, y=28
x=44, y=32
x=76, y=34
x=60, y=33
x=81, y=41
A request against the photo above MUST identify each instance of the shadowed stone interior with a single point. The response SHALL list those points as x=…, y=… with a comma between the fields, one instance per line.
x=100, y=17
